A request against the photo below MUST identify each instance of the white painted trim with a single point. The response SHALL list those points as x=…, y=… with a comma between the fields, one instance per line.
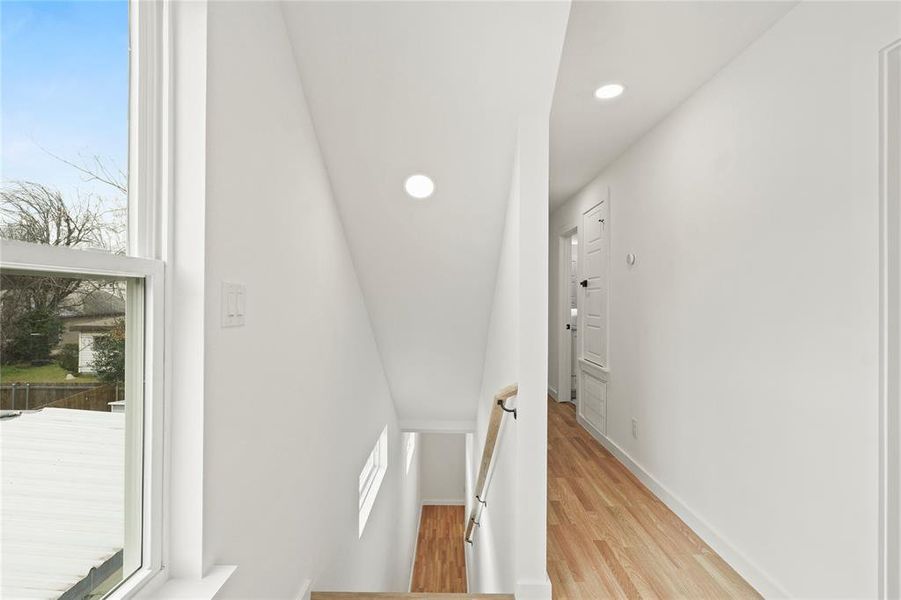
x=37, y=257
x=443, y=502
x=205, y=588
x=564, y=351
x=469, y=444
x=889, y=571
x=753, y=574
x=552, y=393
x=534, y=590
x=467, y=548
x=184, y=250
x=596, y=371
x=415, y=548
x=148, y=156
x=437, y=426
x=305, y=590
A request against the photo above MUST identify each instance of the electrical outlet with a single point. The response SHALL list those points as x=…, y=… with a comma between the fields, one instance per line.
x=635, y=428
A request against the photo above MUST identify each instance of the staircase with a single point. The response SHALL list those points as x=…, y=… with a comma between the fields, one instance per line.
x=498, y=410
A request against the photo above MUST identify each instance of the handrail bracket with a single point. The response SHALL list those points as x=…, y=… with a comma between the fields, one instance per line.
x=505, y=409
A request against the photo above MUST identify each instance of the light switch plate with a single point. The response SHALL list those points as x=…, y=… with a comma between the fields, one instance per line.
x=234, y=304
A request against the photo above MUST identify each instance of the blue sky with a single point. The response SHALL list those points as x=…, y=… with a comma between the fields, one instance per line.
x=64, y=88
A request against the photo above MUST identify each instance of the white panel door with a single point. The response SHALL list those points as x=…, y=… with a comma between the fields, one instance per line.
x=593, y=402
x=594, y=260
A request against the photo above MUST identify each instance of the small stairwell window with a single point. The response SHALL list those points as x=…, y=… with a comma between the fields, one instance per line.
x=409, y=448
x=371, y=477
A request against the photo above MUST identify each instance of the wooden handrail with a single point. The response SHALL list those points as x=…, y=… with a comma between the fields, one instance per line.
x=498, y=409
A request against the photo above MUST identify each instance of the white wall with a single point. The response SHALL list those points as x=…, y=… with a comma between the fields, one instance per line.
x=296, y=398
x=442, y=467
x=509, y=552
x=492, y=556
x=744, y=340
x=531, y=442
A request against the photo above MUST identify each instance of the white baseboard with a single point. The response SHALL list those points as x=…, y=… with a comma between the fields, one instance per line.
x=443, y=502
x=305, y=591
x=533, y=590
x=552, y=393
x=753, y=574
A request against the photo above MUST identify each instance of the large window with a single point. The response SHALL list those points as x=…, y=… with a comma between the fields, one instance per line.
x=80, y=305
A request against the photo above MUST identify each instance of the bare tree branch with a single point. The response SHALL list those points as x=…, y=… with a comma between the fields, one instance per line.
x=99, y=171
x=32, y=212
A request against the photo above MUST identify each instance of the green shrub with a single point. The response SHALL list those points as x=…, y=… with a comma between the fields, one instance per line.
x=109, y=354
x=31, y=337
x=68, y=358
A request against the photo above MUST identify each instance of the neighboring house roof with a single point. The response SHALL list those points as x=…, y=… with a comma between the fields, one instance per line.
x=97, y=303
x=61, y=500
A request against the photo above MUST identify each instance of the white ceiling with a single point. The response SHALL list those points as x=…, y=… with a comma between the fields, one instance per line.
x=661, y=52
x=397, y=88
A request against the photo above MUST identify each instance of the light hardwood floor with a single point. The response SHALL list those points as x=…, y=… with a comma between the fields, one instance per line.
x=610, y=537
x=440, y=565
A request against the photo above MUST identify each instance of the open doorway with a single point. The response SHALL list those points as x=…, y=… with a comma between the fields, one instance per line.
x=573, y=314
x=439, y=563
x=568, y=340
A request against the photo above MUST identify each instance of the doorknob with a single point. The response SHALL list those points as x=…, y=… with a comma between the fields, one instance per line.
x=584, y=283
x=568, y=326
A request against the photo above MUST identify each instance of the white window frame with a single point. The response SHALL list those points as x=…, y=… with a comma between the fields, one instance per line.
x=36, y=258
x=371, y=477
x=148, y=199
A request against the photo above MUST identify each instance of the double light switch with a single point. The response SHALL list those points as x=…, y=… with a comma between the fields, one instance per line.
x=234, y=303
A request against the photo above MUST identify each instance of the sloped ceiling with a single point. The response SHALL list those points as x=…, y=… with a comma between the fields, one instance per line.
x=661, y=52
x=397, y=88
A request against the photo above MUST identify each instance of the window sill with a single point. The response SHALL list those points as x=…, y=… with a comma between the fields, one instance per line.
x=193, y=589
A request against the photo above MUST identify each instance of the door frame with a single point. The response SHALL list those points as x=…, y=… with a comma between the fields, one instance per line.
x=565, y=359
x=890, y=323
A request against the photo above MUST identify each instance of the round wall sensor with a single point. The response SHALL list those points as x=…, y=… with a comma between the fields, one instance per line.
x=630, y=259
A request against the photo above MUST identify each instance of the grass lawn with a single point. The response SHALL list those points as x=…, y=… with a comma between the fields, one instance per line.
x=45, y=374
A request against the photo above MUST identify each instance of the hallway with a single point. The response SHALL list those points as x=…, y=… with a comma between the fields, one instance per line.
x=440, y=565
x=610, y=537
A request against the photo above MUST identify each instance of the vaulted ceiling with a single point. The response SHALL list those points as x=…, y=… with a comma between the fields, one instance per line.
x=661, y=52
x=397, y=88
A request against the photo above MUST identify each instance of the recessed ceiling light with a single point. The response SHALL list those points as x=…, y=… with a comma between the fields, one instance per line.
x=419, y=186
x=609, y=91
